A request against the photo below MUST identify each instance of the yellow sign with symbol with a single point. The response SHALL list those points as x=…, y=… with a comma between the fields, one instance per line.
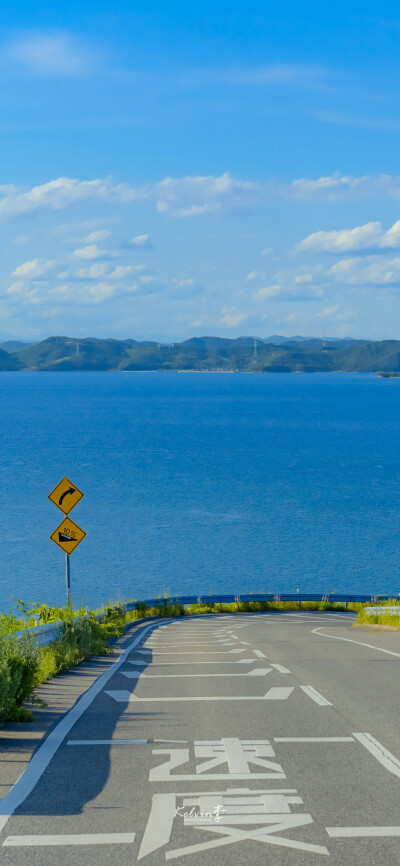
x=68, y=535
x=65, y=496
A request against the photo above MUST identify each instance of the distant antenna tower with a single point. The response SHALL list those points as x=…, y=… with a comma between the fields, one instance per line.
x=255, y=349
x=323, y=341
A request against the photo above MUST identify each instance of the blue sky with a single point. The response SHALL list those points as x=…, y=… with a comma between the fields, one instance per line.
x=171, y=170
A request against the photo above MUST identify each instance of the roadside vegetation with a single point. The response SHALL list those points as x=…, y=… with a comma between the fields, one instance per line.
x=382, y=618
x=24, y=665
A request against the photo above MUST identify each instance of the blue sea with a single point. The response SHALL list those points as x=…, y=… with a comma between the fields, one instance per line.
x=200, y=482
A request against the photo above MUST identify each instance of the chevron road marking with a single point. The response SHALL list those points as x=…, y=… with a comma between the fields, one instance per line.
x=256, y=672
x=276, y=693
x=70, y=839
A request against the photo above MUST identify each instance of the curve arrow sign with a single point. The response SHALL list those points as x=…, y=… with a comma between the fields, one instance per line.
x=66, y=493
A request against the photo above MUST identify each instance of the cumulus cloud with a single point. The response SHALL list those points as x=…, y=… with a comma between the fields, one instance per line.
x=193, y=196
x=121, y=271
x=338, y=187
x=94, y=272
x=100, y=235
x=179, y=197
x=47, y=55
x=61, y=193
x=232, y=318
x=142, y=241
x=289, y=288
x=251, y=276
x=92, y=251
x=358, y=238
x=35, y=268
x=368, y=236
x=267, y=292
x=373, y=270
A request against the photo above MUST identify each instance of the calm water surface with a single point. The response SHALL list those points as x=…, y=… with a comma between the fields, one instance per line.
x=200, y=482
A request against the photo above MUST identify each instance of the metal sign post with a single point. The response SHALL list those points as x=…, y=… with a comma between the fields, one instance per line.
x=68, y=576
x=68, y=534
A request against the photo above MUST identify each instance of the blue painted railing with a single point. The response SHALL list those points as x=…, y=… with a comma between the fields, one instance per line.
x=269, y=596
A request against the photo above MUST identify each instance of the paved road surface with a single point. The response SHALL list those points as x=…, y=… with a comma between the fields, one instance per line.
x=233, y=739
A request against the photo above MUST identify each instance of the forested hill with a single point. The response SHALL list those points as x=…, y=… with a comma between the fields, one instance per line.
x=245, y=354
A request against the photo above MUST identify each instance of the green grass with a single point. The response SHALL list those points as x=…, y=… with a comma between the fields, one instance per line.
x=380, y=619
x=23, y=666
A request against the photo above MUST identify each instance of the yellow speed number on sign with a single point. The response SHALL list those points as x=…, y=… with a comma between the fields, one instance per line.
x=68, y=535
x=66, y=495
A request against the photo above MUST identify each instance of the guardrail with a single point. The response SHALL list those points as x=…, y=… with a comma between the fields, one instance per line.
x=45, y=634
x=378, y=611
x=344, y=598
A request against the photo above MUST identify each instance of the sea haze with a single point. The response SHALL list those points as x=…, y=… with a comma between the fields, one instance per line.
x=200, y=482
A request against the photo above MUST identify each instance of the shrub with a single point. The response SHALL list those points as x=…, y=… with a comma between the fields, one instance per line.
x=19, y=663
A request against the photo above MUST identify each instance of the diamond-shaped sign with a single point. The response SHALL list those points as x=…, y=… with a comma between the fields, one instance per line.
x=68, y=535
x=65, y=496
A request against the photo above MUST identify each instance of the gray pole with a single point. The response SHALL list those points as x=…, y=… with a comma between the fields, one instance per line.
x=68, y=577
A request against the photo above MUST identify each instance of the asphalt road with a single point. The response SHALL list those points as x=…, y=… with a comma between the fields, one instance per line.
x=223, y=740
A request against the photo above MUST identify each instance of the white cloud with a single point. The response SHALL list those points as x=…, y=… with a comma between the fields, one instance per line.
x=16, y=288
x=61, y=193
x=94, y=272
x=193, y=196
x=303, y=278
x=121, y=271
x=20, y=240
x=100, y=235
x=251, y=276
x=34, y=268
x=47, y=55
x=142, y=241
x=359, y=238
x=328, y=312
x=267, y=292
x=232, y=318
x=267, y=251
x=338, y=187
x=364, y=270
x=92, y=251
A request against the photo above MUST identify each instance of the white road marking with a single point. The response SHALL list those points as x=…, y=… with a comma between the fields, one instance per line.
x=259, y=654
x=347, y=832
x=380, y=753
x=315, y=696
x=41, y=759
x=276, y=693
x=71, y=839
x=359, y=642
x=172, y=664
x=256, y=672
x=118, y=742
x=280, y=668
x=314, y=739
x=194, y=652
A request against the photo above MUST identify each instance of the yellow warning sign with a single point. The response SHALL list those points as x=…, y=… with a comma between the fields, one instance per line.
x=68, y=535
x=65, y=496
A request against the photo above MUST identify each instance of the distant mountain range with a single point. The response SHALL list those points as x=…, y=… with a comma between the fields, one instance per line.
x=245, y=354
